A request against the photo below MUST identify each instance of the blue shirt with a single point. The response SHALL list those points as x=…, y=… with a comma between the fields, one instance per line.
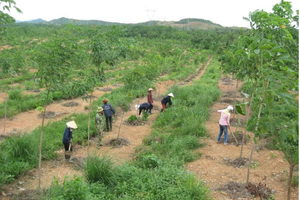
x=108, y=110
x=67, y=135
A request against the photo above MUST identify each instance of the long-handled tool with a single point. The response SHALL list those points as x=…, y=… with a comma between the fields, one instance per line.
x=69, y=152
x=237, y=143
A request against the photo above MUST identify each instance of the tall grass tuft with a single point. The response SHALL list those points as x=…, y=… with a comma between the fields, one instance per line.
x=100, y=169
x=22, y=148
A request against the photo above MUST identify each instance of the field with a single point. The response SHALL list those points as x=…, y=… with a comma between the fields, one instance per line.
x=64, y=72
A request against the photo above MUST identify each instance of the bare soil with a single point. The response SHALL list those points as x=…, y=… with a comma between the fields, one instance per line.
x=220, y=166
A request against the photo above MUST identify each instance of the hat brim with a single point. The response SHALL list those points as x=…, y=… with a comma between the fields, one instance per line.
x=72, y=124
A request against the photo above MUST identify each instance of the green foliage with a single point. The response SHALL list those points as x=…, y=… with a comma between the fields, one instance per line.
x=60, y=60
x=268, y=55
x=145, y=116
x=23, y=148
x=166, y=182
x=241, y=108
x=132, y=118
x=7, y=5
x=148, y=161
x=11, y=61
x=54, y=60
x=177, y=129
x=15, y=94
x=139, y=78
x=70, y=189
x=100, y=169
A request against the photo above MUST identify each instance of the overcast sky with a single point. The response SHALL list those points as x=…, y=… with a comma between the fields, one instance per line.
x=223, y=12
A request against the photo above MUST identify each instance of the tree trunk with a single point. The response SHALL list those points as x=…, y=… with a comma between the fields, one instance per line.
x=120, y=126
x=89, y=122
x=292, y=165
x=249, y=166
x=5, y=113
x=242, y=147
x=256, y=128
x=41, y=140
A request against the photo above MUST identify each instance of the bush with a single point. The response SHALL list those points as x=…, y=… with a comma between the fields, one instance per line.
x=149, y=161
x=132, y=118
x=15, y=94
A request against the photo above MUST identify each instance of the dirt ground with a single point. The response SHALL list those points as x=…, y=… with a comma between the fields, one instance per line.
x=215, y=167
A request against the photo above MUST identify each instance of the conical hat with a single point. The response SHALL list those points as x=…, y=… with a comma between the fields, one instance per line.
x=100, y=109
x=171, y=95
x=72, y=124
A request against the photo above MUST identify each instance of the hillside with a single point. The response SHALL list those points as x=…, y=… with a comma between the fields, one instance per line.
x=191, y=23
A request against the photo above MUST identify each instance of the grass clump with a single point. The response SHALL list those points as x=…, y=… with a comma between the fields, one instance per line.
x=100, y=169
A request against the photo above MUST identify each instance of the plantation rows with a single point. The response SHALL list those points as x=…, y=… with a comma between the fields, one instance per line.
x=24, y=154
x=67, y=62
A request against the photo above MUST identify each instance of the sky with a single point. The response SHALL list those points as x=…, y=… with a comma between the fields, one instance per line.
x=224, y=12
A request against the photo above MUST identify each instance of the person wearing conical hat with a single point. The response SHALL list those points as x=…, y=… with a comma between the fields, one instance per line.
x=99, y=125
x=150, y=99
x=166, y=100
x=67, y=139
x=224, y=123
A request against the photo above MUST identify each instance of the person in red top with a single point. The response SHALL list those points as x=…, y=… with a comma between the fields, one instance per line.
x=224, y=123
x=150, y=100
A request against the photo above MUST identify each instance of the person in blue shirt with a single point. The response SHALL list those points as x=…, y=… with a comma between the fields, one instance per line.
x=166, y=100
x=145, y=106
x=67, y=139
x=108, y=112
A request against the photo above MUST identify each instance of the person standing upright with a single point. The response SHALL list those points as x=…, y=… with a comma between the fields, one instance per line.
x=108, y=112
x=150, y=99
x=99, y=125
x=224, y=123
x=166, y=100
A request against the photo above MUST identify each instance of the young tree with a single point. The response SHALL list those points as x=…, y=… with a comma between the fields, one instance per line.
x=54, y=66
x=268, y=57
x=106, y=47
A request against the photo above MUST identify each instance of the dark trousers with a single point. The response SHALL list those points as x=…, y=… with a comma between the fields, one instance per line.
x=67, y=145
x=108, y=123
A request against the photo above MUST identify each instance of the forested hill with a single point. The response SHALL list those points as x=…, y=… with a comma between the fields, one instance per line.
x=190, y=23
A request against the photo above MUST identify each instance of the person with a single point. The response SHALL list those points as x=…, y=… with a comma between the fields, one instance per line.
x=144, y=106
x=150, y=99
x=108, y=112
x=166, y=100
x=67, y=139
x=224, y=123
x=99, y=125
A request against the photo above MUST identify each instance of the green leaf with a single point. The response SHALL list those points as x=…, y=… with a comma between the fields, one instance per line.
x=257, y=51
x=241, y=108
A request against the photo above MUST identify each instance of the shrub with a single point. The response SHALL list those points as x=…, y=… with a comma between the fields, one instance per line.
x=145, y=116
x=15, y=94
x=132, y=118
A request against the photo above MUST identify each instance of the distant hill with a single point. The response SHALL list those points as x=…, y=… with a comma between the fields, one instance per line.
x=34, y=21
x=64, y=20
x=189, y=23
x=192, y=23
